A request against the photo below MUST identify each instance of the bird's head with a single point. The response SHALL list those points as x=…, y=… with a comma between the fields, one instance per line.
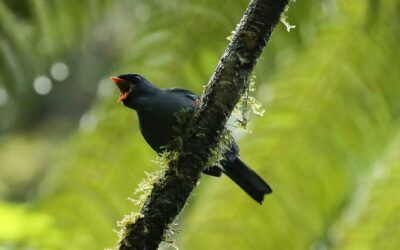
x=133, y=88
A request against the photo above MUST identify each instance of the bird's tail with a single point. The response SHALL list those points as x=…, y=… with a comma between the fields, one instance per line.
x=247, y=179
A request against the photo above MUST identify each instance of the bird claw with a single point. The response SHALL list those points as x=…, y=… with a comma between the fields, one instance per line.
x=197, y=103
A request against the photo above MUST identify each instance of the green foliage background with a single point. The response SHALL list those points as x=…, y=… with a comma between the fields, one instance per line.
x=328, y=143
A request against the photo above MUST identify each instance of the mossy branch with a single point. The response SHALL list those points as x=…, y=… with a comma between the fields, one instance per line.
x=224, y=89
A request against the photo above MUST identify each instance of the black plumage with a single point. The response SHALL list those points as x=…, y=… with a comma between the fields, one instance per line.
x=157, y=109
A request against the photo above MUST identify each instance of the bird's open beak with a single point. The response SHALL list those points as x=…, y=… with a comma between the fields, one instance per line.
x=124, y=87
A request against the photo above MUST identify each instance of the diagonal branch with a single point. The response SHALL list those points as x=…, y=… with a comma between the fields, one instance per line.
x=224, y=89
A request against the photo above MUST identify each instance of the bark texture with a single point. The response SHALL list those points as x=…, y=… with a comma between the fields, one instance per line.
x=224, y=89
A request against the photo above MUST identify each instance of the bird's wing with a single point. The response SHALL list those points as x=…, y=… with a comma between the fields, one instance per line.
x=184, y=92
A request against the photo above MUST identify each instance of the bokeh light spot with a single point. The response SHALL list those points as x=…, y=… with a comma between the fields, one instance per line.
x=59, y=71
x=42, y=85
x=105, y=88
x=3, y=96
x=142, y=12
x=88, y=122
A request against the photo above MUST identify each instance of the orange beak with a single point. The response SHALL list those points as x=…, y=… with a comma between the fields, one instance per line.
x=117, y=80
x=124, y=87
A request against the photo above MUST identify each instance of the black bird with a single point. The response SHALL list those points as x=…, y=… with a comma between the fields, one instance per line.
x=156, y=108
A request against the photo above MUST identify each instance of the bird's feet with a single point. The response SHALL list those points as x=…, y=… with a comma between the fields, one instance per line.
x=197, y=103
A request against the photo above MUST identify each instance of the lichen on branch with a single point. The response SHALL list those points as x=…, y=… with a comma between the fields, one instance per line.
x=247, y=104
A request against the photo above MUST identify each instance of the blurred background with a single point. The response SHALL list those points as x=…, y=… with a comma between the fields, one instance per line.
x=70, y=155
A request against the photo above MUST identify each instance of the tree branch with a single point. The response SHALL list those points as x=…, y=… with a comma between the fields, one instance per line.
x=224, y=89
